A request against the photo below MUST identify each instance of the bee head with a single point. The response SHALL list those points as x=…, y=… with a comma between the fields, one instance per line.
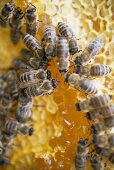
x=54, y=83
x=83, y=142
x=77, y=69
x=88, y=116
x=31, y=10
x=9, y=7
x=48, y=75
x=78, y=60
x=31, y=131
x=77, y=106
x=67, y=77
x=93, y=130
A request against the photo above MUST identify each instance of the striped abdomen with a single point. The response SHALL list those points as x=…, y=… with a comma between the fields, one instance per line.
x=33, y=45
x=80, y=162
x=99, y=70
x=65, y=30
x=107, y=111
x=23, y=113
x=87, y=86
x=33, y=91
x=11, y=126
x=62, y=48
x=50, y=34
x=15, y=35
x=100, y=101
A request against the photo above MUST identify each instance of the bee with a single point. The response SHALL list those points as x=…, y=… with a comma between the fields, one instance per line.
x=31, y=60
x=103, y=112
x=12, y=83
x=33, y=45
x=67, y=32
x=62, y=50
x=14, y=127
x=31, y=20
x=89, y=52
x=98, y=128
x=95, y=70
x=3, y=84
x=16, y=25
x=104, y=140
x=20, y=65
x=96, y=163
x=46, y=87
x=23, y=112
x=50, y=39
x=105, y=125
x=83, y=84
x=6, y=13
x=29, y=78
x=5, y=105
x=95, y=102
x=105, y=152
x=80, y=158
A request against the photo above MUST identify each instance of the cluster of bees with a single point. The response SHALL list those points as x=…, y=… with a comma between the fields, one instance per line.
x=30, y=77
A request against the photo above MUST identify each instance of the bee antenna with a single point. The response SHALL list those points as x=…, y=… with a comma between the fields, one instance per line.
x=32, y=4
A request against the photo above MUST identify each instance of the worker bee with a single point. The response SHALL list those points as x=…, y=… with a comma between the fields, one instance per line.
x=14, y=127
x=31, y=60
x=31, y=20
x=32, y=44
x=6, y=13
x=89, y=52
x=83, y=84
x=62, y=49
x=95, y=70
x=96, y=163
x=67, y=32
x=80, y=158
x=3, y=84
x=29, y=78
x=5, y=105
x=105, y=152
x=46, y=87
x=12, y=83
x=23, y=112
x=50, y=39
x=20, y=65
x=98, y=128
x=95, y=102
x=104, y=140
x=103, y=112
x=16, y=25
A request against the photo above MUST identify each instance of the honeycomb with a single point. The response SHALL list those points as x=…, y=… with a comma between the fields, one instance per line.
x=57, y=125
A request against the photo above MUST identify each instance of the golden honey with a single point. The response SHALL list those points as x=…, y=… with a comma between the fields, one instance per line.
x=57, y=125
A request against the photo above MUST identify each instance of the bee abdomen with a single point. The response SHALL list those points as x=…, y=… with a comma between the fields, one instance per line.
x=99, y=70
x=50, y=34
x=33, y=45
x=65, y=30
x=11, y=126
x=23, y=114
x=80, y=162
x=107, y=111
x=100, y=101
x=62, y=48
x=15, y=35
x=87, y=86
